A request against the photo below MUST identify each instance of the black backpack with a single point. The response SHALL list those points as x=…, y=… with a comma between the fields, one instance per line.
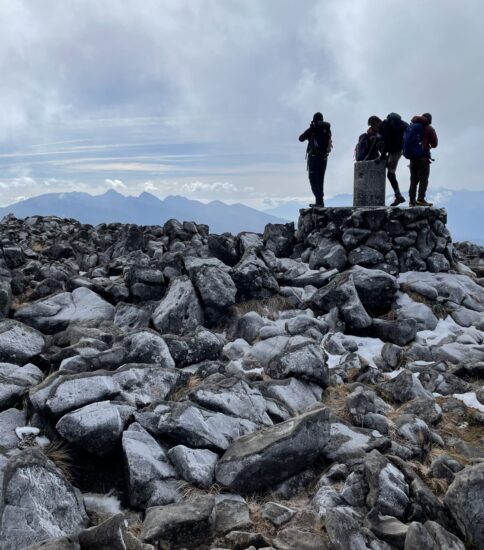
x=367, y=148
x=319, y=140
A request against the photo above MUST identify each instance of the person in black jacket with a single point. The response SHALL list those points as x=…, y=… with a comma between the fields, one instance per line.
x=318, y=136
x=391, y=131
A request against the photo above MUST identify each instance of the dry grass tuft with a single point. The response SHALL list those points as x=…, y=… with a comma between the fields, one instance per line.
x=334, y=398
x=38, y=247
x=61, y=454
x=389, y=316
x=269, y=307
x=193, y=382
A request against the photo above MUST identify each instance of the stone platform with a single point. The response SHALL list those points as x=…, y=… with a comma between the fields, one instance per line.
x=393, y=239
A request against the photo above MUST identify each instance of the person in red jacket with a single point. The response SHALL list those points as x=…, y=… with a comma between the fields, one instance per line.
x=420, y=166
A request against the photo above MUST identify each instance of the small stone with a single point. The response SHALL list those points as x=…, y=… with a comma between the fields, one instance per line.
x=276, y=513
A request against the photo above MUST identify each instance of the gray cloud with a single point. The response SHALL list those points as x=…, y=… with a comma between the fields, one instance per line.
x=191, y=94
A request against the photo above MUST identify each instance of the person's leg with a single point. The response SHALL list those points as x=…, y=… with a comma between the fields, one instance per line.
x=324, y=164
x=414, y=178
x=424, y=173
x=392, y=164
x=315, y=179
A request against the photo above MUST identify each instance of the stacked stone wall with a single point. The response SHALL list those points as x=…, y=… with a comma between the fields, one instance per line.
x=392, y=239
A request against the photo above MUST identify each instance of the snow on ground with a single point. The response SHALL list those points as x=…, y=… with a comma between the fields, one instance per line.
x=445, y=328
x=369, y=349
x=107, y=504
x=470, y=400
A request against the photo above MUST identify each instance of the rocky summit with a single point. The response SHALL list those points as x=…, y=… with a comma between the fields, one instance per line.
x=308, y=388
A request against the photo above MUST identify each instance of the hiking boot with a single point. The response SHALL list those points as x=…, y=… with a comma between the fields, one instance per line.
x=423, y=202
x=398, y=200
x=411, y=203
x=320, y=204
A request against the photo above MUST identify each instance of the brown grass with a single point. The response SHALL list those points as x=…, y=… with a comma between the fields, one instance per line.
x=38, y=247
x=334, y=398
x=390, y=316
x=61, y=454
x=269, y=307
x=182, y=392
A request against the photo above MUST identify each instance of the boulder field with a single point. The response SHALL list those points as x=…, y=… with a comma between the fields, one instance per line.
x=315, y=388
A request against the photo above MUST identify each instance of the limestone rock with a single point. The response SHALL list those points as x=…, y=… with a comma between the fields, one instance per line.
x=19, y=343
x=194, y=426
x=305, y=361
x=96, y=427
x=260, y=460
x=54, y=313
x=194, y=465
x=465, y=500
x=177, y=526
x=151, y=479
x=179, y=312
x=38, y=503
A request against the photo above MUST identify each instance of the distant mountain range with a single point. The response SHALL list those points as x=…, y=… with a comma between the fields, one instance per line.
x=143, y=210
x=464, y=208
x=465, y=211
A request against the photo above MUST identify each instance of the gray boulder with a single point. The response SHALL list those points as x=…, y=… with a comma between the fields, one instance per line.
x=216, y=287
x=294, y=394
x=5, y=296
x=253, y=279
x=194, y=465
x=341, y=293
x=130, y=316
x=111, y=534
x=325, y=499
x=16, y=381
x=262, y=459
x=404, y=387
x=193, y=426
x=59, y=543
x=19, y=343
x=233, y=396
x=399, y=332
x=179, y=312
x=465, y=500
x=376, y=289
x=96, y=427
x=178, y=526
x=10, y=420
x=388, y=490
x=136, y=384
x=231, y=514
x=305, y=361
x=53, y=314
x=279, y=238
x=365, y=256
x=38, y=502
x=202, y=345
x=146, y=346
x=151, y=479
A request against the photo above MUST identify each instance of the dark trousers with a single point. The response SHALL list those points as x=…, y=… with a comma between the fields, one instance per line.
x=316, y=171
x=419, y=178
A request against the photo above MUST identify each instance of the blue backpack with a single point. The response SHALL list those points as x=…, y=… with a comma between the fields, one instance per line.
x=412, y=141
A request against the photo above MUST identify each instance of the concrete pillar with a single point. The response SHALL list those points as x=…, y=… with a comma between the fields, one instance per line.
x=369, y=183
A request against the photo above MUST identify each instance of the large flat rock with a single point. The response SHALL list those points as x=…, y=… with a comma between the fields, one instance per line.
x=259, y=460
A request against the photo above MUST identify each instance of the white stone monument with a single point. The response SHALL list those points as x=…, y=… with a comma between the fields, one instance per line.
x=369, y=183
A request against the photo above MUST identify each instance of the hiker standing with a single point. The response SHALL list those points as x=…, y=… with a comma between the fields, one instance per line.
x=369, y=144
x=419, y=138
x=392, y=130
x=319, y=145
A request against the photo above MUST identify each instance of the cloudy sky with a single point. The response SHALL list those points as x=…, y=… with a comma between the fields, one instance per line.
x=206, y=98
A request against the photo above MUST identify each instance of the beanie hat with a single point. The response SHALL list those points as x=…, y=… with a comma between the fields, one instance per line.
x=317, y=117
x=428, y=116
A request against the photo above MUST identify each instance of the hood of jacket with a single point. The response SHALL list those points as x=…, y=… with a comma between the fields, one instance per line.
x=421, y=120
